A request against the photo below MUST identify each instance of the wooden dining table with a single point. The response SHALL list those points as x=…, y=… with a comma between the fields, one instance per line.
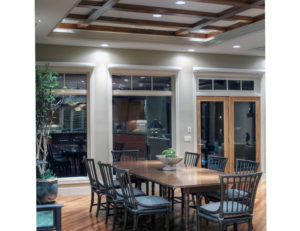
x=188, y=179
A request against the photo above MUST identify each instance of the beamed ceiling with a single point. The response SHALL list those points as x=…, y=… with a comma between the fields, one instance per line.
x=198, y=24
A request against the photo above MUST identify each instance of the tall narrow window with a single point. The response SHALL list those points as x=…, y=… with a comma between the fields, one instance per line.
x=68, y=143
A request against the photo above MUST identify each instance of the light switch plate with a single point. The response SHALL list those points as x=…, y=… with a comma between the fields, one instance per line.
x=187, y=138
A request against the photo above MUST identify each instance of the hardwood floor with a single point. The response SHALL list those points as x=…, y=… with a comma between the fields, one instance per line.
x=76, y=216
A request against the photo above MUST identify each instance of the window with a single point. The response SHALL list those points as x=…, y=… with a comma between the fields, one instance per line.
x=234, y=85
x=142, y=118
x=225, y=84
x=144, y=83
x=68, y=143
x=143, y=123
x=205, y=84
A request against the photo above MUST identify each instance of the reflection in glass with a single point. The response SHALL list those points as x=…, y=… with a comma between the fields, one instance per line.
x=234, y=84
x=143, y=123
x=212, y=129
x=162, y=83
x=141, y=83
x=121, y=82
x=220, y=84
x=68, y=141
x=205, y=84
x=248, y=85
x=60, y=80
x=245, y=130
x=76, y=81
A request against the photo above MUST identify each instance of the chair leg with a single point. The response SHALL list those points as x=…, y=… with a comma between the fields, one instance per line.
x=182, y=203
x=125, y=220
x=167, y=221
x=115, y=215
x=221, y=226
x=92, y=200
x=172, y=191
x=98, y=204
x=235, y=227
x=250, y=226
x=199, y=223
x=107, y=211
x=135, y=222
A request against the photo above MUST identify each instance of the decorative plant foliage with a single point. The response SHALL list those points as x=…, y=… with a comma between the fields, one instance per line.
x=46, y=106
x=169, y=153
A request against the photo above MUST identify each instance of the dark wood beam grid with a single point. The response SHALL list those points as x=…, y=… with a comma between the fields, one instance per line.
x=159, y=10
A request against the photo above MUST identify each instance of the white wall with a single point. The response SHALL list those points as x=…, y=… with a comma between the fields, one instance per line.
x=100, y=92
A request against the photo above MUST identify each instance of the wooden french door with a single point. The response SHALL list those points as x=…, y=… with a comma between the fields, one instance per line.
x=229, y=127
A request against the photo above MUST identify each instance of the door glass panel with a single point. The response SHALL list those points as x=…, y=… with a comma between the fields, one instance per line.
x=212, y=130
x=244, y=130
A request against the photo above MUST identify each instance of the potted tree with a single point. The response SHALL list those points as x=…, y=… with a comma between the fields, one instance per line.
x=46, y=105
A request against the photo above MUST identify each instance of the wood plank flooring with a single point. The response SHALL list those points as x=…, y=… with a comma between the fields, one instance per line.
x=76, y=216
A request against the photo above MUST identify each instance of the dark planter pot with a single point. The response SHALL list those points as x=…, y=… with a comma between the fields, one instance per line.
x=46, y=191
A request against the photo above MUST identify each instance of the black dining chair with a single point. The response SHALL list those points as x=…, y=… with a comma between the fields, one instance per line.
x=130, y=155
x=114, y=195
x=242, y=167
x=245, y=166
x=217, y=163
x=229, y=210
x=96, y=187
x=191, y=160
x=142, y=205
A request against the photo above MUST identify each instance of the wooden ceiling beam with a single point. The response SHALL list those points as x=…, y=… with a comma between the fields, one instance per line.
x=159, y=10
x=128, y=30
x=228, y=2
x=149, y=9
x=221, y=16
x=137, y=22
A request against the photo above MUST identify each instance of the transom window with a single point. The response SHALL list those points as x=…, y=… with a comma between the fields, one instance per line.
x=145, y=83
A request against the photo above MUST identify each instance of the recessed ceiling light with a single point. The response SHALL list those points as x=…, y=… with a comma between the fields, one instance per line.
x=104, y=45
x=156, y=15
x=39, y=20
x=236, y=46
x=180, y=2
x=191, y=50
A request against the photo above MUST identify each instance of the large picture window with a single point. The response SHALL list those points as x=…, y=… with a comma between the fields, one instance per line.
x=142, y=114
x=68, y=143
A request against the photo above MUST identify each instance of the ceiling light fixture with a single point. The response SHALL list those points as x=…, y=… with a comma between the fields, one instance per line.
x=180, y=2
x=156, y=15
x=104, y=45
x=201, y=39
x=236, y=46
x=191, y=50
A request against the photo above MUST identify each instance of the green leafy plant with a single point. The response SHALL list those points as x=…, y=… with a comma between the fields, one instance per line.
x=169, y=153
x=46, y=105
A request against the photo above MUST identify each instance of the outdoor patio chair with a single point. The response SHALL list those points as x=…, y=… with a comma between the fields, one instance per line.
x=229, y=210
x=58, y=162
x=114, y=195
x=96, y=186
x=140, y=206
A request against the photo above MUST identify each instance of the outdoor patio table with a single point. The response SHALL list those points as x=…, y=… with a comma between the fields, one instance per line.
x=190, y=180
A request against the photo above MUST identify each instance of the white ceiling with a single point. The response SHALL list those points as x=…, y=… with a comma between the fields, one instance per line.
x=251, y=38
